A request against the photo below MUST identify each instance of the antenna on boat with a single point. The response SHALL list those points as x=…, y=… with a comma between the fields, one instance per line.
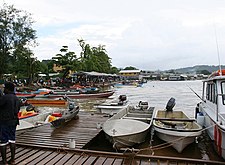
x=217, y=46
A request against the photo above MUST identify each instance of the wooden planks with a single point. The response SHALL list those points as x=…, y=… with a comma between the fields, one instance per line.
x=82, y=130
x=39, y=156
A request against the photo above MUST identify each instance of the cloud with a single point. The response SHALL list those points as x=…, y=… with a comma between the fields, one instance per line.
x=147, y=34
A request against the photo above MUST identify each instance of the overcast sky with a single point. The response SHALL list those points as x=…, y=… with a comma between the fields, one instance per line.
x=146, y=34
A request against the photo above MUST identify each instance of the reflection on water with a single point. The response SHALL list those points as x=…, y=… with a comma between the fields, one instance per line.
x=157, y=93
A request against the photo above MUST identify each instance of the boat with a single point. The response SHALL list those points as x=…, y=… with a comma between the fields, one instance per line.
x=103, y=94
x=128, y=84
x=175, y=127
x=48, y=102
x=31, y=119
x=25, y=95
x=129, y=126
x=113, y=106
x=210, y=111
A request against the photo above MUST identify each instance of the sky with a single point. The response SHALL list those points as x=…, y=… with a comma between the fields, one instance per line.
x=146, y=34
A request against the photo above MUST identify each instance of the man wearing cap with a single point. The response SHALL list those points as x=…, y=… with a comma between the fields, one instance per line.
x=9, y=108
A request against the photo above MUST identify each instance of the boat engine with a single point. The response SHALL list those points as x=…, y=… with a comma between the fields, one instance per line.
x=171, y=103
x=30, y=108
x=71, y=106
x=122, y=98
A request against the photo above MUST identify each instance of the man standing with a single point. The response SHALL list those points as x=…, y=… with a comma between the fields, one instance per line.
x=9, y=108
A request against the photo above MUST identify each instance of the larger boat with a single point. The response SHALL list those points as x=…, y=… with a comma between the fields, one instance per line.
x=211, y=110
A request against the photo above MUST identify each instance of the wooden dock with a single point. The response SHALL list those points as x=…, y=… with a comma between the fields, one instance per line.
x=82, y=130
x=47, y=145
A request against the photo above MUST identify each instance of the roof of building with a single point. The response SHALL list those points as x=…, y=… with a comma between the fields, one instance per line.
x=130, y=71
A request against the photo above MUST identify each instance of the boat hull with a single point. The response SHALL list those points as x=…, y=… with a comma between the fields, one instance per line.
x=178, y=140
x=215, y=131
x=47, y=102
x=125, y=132
x=176, y=129
x=84, y=96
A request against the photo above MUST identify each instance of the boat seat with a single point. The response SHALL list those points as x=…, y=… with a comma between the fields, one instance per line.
x=138, y=118
x=141, y=115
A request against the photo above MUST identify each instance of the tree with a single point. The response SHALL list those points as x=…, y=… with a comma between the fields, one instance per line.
x=16, y=34
x=67, y=60
x=94, y=58
x=130, y=68
x=205, y=72
x=114, y=70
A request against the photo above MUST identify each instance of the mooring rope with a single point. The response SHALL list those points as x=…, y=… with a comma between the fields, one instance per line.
x=161, y=146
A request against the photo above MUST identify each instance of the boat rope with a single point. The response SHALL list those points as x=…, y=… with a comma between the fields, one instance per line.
x=164, y=145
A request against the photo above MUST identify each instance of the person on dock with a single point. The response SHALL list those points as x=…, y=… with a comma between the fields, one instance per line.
x=9, y=108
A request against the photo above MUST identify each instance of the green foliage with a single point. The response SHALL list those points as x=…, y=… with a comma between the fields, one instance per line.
x=114, y=70
x=205, y=72
x=130, y=68
x=16, y=35
x=94, y=58
x=67, y=59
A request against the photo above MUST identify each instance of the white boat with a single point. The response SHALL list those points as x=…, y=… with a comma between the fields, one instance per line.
x=129, y=126
x=176, y=128
x=211, y=110
x=113, y=106
x=56, y=118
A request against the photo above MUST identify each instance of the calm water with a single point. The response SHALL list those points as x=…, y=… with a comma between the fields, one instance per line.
x=157, y=93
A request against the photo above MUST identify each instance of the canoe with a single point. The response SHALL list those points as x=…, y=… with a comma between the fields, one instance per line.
x=23, y=95
x=129, y=126
x=47, y=102
x=176, y=128
x=104, y=94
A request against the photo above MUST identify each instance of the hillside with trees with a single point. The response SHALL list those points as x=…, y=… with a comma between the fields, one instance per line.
x=199, y=69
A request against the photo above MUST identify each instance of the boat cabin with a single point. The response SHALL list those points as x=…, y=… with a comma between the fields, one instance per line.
x=214, y=93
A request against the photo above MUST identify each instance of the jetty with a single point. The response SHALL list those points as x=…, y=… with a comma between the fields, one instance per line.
x=48, y=145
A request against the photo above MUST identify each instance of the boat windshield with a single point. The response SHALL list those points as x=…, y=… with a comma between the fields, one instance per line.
x=223, y=91
x=211, y=92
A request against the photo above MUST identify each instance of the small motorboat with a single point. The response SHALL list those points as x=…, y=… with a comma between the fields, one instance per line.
x=129, y=126
x=175, y=127
x=33, y=119
x=113, y=106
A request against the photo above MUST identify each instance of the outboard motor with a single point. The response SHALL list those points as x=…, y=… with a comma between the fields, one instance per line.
x=122, y=98
x=144, y=105
x=171, y=103
x=23, y=102
x=30, y=108
x=71, y=106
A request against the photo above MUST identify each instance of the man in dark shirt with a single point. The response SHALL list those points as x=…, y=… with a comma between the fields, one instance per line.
x=9, y=108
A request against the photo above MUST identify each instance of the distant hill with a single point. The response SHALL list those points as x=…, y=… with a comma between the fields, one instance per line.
x=197, y=69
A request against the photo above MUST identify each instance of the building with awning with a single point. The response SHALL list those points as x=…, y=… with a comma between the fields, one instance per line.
x=93, y=78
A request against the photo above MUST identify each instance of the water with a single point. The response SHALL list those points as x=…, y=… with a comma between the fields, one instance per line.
x=157, y=94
